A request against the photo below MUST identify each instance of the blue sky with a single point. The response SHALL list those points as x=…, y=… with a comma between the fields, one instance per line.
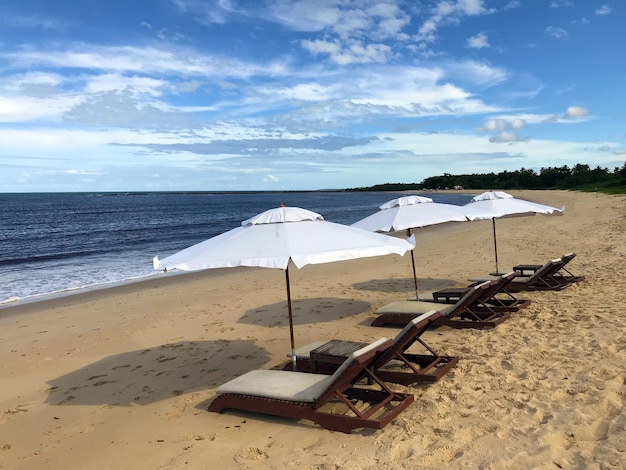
x=166, y=95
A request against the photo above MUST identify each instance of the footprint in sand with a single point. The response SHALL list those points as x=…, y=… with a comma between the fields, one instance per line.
x=67, y=399
x=250, y=453
x=103, y=382
x=165, y=358
x=93, y=377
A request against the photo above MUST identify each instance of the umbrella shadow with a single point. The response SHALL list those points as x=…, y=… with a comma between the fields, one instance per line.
x=305, y=311
x=158, y=373
x=405, y=284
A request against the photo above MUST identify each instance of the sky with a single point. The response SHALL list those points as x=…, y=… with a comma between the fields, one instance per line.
x=263, y=95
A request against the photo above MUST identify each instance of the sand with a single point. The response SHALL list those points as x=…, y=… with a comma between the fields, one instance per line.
x=121, y=378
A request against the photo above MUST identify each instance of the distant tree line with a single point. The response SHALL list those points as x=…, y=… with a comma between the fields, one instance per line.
x=579, y=177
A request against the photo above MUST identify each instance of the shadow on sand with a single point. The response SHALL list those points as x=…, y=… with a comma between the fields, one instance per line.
x=305, y=311
x=153, y=374
x=405, y=285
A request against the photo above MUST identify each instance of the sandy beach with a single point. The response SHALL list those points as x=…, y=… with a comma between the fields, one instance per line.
x=121, y=378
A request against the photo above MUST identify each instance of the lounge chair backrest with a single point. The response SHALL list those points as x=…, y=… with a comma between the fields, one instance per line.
x=470, y=297
x=547, y=269
x=408, y=335
x=509, y=275
x=406, y=331
x=354, y=365
x=359, y=353
x=499, y=284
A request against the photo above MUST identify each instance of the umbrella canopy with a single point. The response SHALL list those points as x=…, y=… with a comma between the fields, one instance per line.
x=275, y=237
x=410, y=212
x=498, y=204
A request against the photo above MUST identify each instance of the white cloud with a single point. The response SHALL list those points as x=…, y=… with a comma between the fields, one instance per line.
x=270, y=179
x=500, y=124
x=517, y=122
x=449, y=12
x=320, y=46
x=556, y=32
x=561, y=3
x=132, y=59
x=353, y=52
x=603, y=10
x=505, y=138
x=345, y=20
x=493, y=125
x=479, y=41
x=325, y=105
x=576, y=112
x=30, y=109
x=580, y=21
x=353, y=33
x=475, y=72
x=117, y=81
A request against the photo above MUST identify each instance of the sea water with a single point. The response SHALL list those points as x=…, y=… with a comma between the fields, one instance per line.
x=59, y=243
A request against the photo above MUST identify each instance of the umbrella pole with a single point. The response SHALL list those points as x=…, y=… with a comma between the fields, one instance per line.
x=414, y=272
x=495, y=245
x=293, y=343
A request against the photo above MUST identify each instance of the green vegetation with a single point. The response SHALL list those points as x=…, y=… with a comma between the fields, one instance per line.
x=579, y=177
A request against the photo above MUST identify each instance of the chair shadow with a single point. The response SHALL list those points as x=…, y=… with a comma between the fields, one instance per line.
x=305, y=311
x=405, y=284
x=158, y=373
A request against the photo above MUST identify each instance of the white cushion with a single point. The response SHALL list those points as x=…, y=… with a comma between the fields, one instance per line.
x=278, y=384
x=417, y=307
x=289, y=385
x=413, y=322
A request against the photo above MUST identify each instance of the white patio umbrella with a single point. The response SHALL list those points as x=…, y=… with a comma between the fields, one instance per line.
x=498, y=204
x=279, y=236
x=411, y=212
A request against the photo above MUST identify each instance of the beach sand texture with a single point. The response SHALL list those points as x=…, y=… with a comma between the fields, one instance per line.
x=121, y=378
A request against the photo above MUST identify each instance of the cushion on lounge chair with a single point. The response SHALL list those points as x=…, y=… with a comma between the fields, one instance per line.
x=417, y=307
x=414, y=323
x=279, y=385
x=423, y=306
x=289, y=385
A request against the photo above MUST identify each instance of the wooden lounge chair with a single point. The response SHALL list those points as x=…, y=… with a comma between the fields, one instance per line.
x=394, y=365
x=495, y=299
x=316, y=397
x=542, y=279
x=562, y=274
x=461, y=314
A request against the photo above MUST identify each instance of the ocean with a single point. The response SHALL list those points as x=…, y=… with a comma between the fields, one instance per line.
x=60, y=243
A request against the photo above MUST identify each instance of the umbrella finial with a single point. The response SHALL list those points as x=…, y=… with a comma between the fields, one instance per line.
x=281, y=205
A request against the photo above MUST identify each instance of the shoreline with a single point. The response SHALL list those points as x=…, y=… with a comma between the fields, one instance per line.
x=126, y=373
x=35, y=284
x=102, y=291
x=80, y=291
